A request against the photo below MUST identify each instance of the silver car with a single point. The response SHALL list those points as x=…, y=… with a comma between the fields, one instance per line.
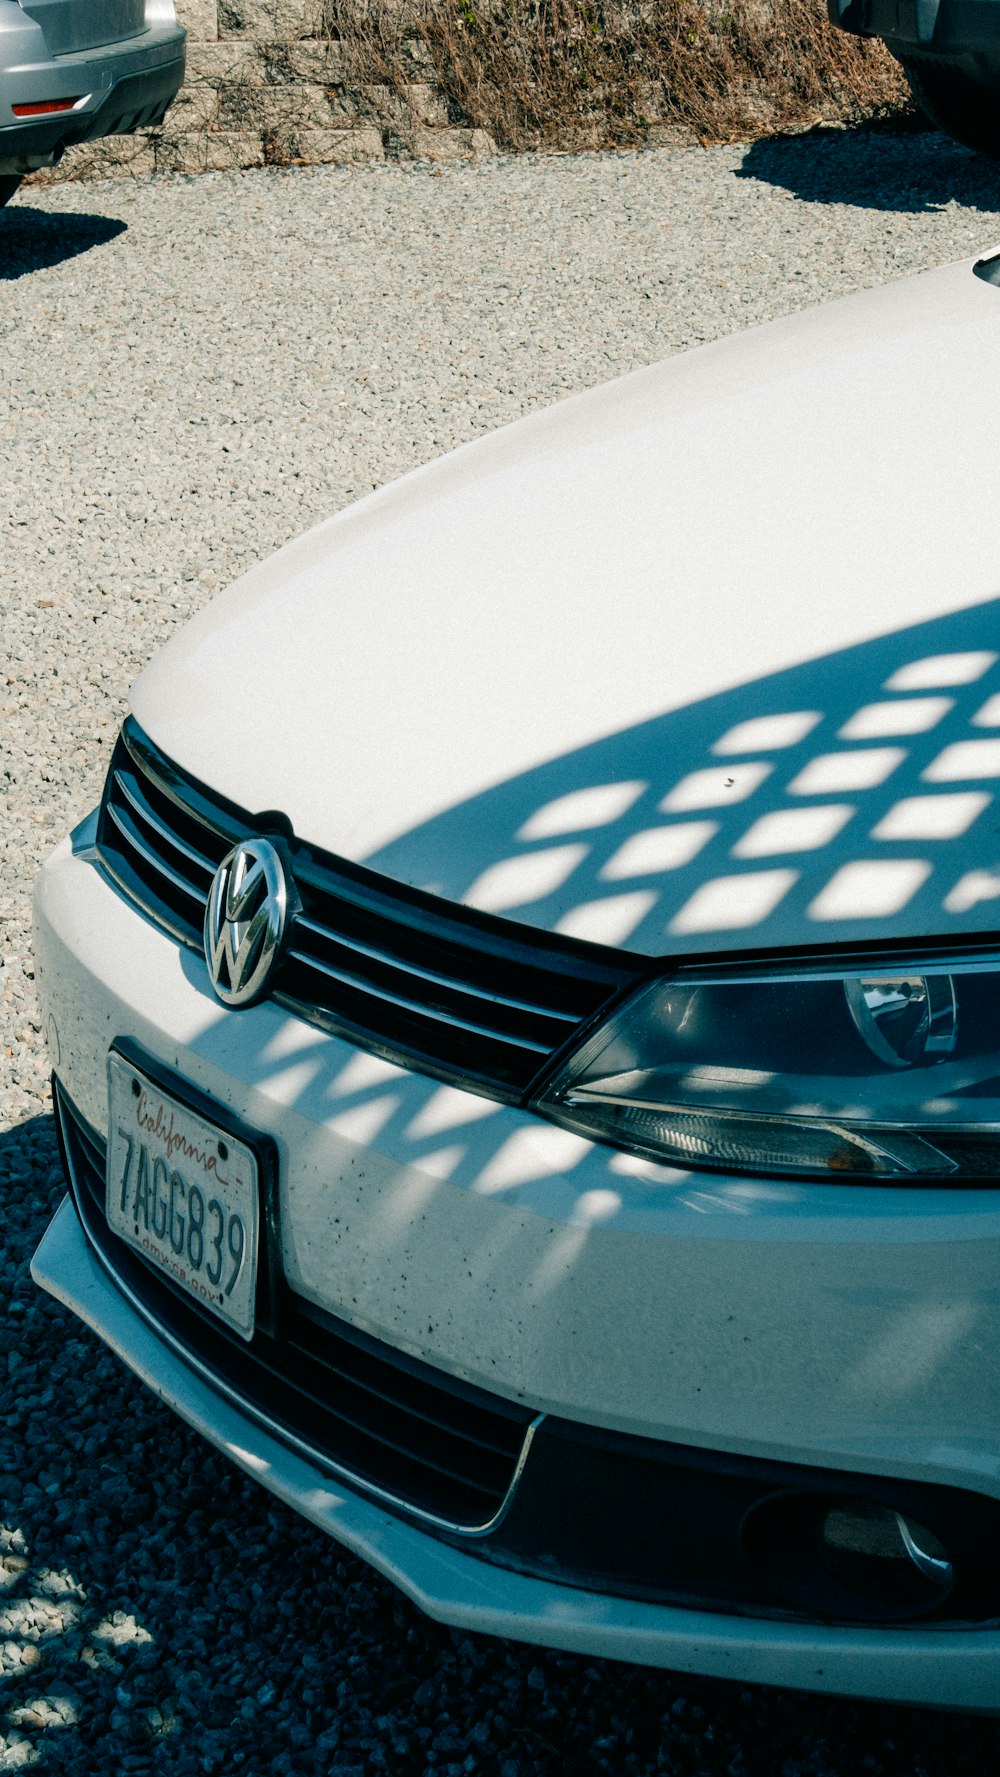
x=73, y=70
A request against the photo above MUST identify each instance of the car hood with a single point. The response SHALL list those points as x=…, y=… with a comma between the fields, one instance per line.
x=701, y=660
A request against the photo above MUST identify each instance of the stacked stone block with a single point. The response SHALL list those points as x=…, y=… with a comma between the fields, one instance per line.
x=264, y=86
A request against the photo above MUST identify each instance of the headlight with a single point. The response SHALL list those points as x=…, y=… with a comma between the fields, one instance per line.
x=891, y=1073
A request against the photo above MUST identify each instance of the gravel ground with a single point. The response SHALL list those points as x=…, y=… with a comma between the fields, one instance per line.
x=193, y=371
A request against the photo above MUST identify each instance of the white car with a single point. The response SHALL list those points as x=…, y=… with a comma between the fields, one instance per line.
x=524, y=1025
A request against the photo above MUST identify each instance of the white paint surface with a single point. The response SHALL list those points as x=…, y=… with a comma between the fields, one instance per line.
x=685, y=534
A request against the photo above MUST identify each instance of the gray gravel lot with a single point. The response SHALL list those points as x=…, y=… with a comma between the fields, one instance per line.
x=192, y=372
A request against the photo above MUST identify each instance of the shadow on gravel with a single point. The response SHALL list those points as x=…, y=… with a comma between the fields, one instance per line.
x=912, y=171
x=33, y=240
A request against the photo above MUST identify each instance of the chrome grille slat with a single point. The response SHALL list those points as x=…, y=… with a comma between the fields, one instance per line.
x=146, y=814
x=361, y=985
x=412, y=969
x=129, y=831
x=460, y=995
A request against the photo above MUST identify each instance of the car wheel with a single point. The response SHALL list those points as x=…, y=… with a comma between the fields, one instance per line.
x=966, y=108
x=9, y=183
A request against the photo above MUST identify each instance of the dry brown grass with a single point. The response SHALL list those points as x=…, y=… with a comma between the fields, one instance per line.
x=570, y=74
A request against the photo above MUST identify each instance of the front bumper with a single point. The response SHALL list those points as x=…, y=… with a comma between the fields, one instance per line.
x=834, y=1326
x=956, y=1668
x=121, y=87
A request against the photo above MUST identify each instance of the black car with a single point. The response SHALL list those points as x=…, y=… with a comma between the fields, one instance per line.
x=950, y=53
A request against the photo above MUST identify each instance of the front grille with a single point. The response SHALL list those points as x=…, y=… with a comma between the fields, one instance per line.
x=439, y=987
x=422, y=1441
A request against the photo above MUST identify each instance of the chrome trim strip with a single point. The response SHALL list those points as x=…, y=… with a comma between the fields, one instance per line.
x=145, y=762
x=145, y=813
x=370, y=1488
x=394, y=999
x=128, y=831
x=105, y=867
x=454, y=982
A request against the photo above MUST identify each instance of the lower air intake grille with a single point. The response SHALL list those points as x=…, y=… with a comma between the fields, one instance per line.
x=417, y=1438
x=454, y=993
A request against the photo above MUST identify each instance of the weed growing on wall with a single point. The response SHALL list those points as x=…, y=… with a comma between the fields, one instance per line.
x=575, y=74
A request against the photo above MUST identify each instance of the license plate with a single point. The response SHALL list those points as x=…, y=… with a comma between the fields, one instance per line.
x=184, y=1193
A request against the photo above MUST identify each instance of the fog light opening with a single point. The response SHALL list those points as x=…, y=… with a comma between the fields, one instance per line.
x=884, y=1556
x=849, y=1558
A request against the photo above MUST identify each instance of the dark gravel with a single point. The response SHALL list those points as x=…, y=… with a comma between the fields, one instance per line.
x=193, y=370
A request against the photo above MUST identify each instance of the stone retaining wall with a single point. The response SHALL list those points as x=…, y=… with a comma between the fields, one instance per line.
x=300, y=82
x=265, y=87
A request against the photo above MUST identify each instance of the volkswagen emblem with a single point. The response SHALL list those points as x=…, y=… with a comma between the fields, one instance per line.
x=245, y=921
